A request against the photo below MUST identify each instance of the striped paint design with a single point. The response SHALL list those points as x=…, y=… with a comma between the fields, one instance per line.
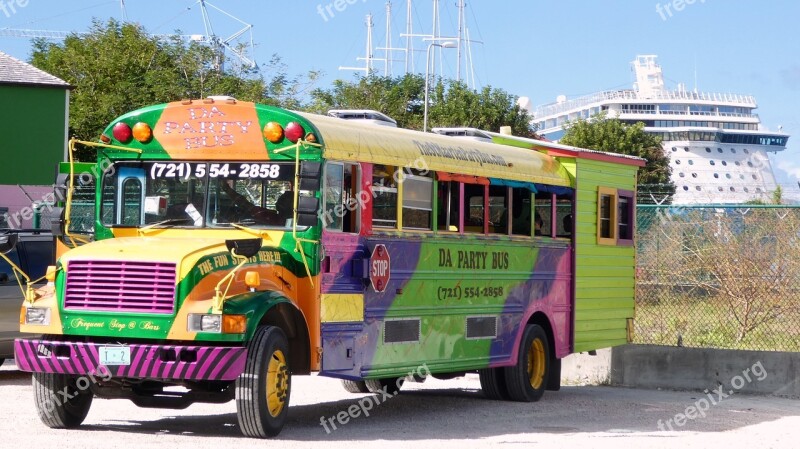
x=138, y=287
x=147, y=361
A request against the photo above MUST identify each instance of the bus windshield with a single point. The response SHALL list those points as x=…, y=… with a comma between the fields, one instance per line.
x=198, y=194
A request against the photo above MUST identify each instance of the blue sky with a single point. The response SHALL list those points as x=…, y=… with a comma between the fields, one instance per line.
x=540, y=49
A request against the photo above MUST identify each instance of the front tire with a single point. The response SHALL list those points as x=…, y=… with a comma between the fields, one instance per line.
x=263, y=389
x=527, y=379
x=60, y=403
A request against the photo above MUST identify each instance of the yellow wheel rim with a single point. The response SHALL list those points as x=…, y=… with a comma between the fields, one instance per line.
x=277, y=383
x=536, y=363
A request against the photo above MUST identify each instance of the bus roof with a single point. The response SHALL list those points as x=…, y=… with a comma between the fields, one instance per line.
x=346, y=140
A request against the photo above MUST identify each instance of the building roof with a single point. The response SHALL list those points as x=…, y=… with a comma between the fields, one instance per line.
x=14, y=71
x=19, y=202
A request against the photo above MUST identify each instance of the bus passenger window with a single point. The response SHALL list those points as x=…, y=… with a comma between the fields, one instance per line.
x=606, y=216
x=384, y=201
x=625, y=216
x=521, y=212
x=333, y=217
x=341, y=200
x=544, y=214
x=498, y=210
x=474, y=196
x=417, y=201
x=448, y=206
x=563, y=217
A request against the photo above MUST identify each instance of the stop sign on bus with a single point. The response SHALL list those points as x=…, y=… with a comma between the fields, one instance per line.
x=379, y=268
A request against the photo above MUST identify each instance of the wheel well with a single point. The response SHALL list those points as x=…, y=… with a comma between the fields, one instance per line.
x=291, y=321
x=540, y=319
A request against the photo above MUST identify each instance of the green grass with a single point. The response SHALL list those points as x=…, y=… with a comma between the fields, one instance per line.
x=708, y=323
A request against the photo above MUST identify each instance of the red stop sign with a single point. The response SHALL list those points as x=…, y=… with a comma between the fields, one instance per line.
x=379, y=267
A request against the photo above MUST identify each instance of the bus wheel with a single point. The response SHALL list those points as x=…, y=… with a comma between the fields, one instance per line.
x=355, y=386
x=60, y=403
x=262, y=390
x=527, y=379
x=493, y=383
x=391, y=385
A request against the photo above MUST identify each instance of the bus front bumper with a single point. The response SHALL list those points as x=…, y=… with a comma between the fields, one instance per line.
x=137, y=361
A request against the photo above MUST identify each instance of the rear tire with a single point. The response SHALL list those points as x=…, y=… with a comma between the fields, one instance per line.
x=56, y=410
x=493, y=383
x=355, y=386
x=263, y=389
x=2, y=361
x=528, y=378
x=391, y=385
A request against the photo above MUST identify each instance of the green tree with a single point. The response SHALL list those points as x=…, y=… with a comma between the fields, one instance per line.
x=116, y=68
x=451, y=103
x=612, y=135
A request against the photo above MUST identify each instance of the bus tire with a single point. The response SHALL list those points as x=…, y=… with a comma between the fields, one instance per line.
x=263, y=389
x=355, y=386
x=527, y=379
x=391, y=385
x=60, y=404
x=493, y=383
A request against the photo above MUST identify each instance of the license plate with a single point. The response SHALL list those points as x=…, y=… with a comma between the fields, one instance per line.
x=115, y=355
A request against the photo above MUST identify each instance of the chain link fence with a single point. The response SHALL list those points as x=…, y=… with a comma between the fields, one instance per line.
x=718, y=276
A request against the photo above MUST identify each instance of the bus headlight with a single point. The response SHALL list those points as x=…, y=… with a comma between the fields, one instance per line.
x=38, y=316
x=217, y=324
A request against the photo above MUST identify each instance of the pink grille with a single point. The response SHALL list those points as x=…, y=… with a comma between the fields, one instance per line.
x=141, y=287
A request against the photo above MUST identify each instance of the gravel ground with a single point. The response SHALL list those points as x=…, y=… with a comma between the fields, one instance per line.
x=435, y=414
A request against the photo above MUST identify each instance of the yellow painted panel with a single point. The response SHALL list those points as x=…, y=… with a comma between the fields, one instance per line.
x=341, y=308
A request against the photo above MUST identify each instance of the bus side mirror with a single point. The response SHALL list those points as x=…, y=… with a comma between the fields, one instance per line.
x=310, y=176
x=57, y=218
x=244, y=247
x=60, y=187
x=7, y=242
x=307, y=211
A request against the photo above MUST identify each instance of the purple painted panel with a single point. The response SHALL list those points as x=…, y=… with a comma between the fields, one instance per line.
x=147, y=361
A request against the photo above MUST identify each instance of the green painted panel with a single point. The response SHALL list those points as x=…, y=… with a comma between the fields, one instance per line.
x=604, y=296
x=606, y=314
x=32, y=122
x=594, y=293
x=605, y=271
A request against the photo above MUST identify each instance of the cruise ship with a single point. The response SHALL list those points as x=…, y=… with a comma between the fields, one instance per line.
x=717, y=145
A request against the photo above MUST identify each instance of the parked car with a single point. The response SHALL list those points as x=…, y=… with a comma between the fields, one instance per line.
x=32, y=252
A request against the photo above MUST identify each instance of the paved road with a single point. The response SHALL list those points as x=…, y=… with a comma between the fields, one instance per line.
x=435, y=414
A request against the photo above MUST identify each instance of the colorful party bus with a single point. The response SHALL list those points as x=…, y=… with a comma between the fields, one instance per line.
x=237, y=245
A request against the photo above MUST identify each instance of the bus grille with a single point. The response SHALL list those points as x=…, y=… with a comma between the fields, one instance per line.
x=118, y=286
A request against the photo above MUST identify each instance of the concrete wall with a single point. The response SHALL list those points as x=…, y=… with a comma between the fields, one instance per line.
x=644, y=366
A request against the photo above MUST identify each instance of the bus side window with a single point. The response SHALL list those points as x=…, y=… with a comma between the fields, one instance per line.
x=498, y=209
x=342, y=208
x=417, y=201
x=333, y=218
x=564, y=216
x=544, y=214
x=384, y=201
x=449, y=206
x=474, y=197
x=521, y=212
